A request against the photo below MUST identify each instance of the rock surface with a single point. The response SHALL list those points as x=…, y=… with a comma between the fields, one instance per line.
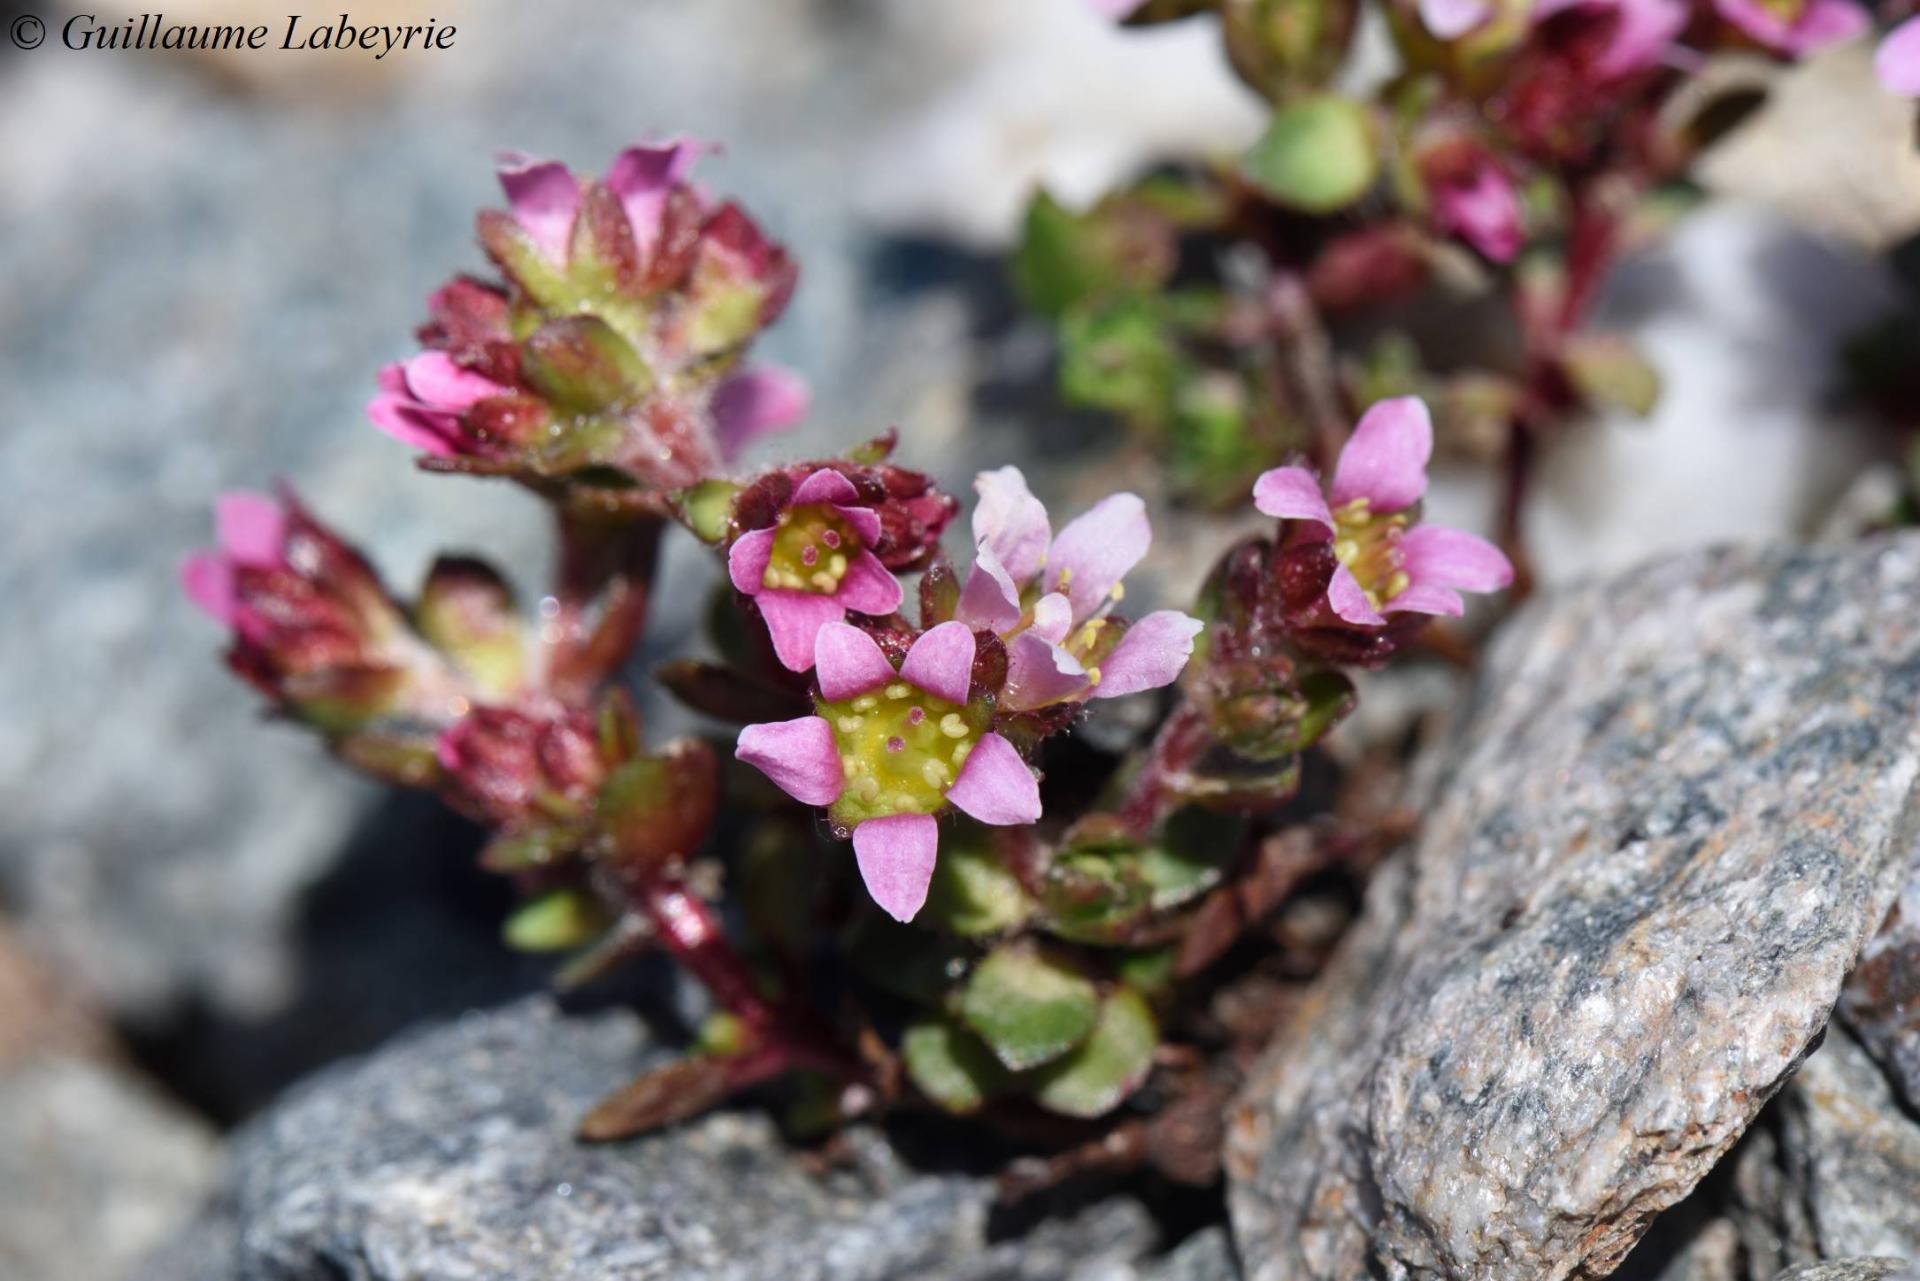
x=1678, y=807
x=1848, y=1270
x=450, y=1154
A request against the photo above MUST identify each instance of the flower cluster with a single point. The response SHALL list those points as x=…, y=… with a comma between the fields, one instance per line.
x=616, y=340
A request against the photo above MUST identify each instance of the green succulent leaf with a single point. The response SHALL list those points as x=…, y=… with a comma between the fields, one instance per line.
x=1028, y=1007
x=1610, y=372
x=972, y=892
x=1098, y=1077
x=950, y=1065
x=1318, y=155
x=1118, y=357
x=556, y=921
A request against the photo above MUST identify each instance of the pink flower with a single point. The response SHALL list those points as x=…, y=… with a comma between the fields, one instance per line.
x=887, y=752
x=312, y=627
x=1796, y=27
x=423, y=403
x=756, y=403
x=812, y=565
x=1644, y=31
x=1385, y=563
x=1482, y=208
x=1050, y=598
x=1897, y=61
x=545, y=195
x=1451, y=19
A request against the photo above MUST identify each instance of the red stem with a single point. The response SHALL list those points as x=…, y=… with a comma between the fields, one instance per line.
x=606, y=564
x=689, y=930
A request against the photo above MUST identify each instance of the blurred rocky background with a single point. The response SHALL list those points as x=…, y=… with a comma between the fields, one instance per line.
x=205, y=259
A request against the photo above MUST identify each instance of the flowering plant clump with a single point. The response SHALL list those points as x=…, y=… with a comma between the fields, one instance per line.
x=1042, y=910
x=1445, y=235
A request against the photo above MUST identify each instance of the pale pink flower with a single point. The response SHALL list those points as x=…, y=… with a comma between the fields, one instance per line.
x=888, y=751
x=1796, y=29
x=1050, y=598
x=1386, y=563
x=1897, y=61
x=544, y=195
x=813, y=565
x=757, y=402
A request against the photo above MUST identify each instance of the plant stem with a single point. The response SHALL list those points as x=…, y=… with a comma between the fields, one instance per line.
x=603, y=586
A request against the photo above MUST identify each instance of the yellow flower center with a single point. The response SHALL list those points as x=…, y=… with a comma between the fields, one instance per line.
x=900, y=750
x=1368, y=544
x=811, y=545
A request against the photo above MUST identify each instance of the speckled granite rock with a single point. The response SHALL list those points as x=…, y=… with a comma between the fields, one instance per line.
x=1881, y=1001
x=1849, y=1270
x=450, y=1154
x=1676, y=810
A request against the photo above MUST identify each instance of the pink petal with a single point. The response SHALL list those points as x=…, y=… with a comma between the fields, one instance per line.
x=1113, y=10
x=1349, y=599
x=1151, y=654
x=1095, y=551
x=941, y=662
x=1052, y=617
x=896, y=856
x=1454, y=558
x=251, y=528
x=1450, y=19
x=747, y=561
x=798, y=755
x=995, y=785
x=757, y=403
x=867, y=587
x=207, y=579
x=1427, y=598
x=545, y=196
x=1291, y=493
x=823, y=486
x=1010, y=520
x=847, y=662
x=793, y=620
x=1643, y=32
x=864, y=520
x=406, y=422
x=436, y=379
x=643, y=177
x=1828, y=22
x=1040, y=674
x=989, y=600
x=1385, y=460
x=1897, y=62
x=1483, y=211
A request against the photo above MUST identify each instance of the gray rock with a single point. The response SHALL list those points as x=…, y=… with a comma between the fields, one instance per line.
x=450, y=1154
x=97, y=1166
x=1852, y=1157
x=1673, y=815
x=1849, y=1270
x=1881, y=1001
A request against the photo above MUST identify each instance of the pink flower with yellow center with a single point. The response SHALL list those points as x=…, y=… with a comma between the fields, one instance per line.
x=1050, y=598
x=813, y=565
x=1796, y=28
x=887, y=751
x=1387, y=564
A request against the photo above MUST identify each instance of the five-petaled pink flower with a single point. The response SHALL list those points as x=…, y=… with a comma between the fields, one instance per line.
x=1796, y=28
x=1385, y=563
x=813, y=565
x=1897, y=61
x=1049, y=598
x=887, y=751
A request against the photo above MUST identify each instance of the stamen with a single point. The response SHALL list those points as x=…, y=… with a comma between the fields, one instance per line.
x=952, y=726
x=899, y=689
